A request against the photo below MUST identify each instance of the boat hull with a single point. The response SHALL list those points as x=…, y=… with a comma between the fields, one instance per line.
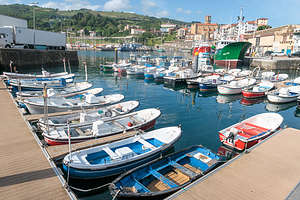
x=207, y=87
x=251, y=94
x=228, y=63
x=222, y=89
x=53, y=142
x=278, y=99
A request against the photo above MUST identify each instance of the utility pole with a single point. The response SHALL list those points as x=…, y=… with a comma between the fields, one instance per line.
x=33, y=10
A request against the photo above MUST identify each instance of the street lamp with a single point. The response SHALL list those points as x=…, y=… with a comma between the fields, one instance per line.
x=33, y=10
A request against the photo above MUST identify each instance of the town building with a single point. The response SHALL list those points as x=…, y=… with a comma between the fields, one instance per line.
x=204, y=31
x=167, y=28
x=296, y=38
x=280, y=39
x=135, y=31
x=181, y=33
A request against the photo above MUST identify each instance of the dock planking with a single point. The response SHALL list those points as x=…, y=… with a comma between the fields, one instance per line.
x=270, y=171
x=25, y=172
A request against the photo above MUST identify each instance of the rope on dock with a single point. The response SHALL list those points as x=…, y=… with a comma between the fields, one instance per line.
x=88, y=190
x=116, y=195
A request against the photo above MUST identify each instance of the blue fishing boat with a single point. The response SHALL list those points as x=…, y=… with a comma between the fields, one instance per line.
x=165, y=176
x=120, y=156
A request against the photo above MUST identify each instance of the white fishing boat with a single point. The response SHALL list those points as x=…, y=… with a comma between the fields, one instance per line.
x=45, y=74
x=251, y=131
x=235, y=87
x=103, y=113
x=35, y=105
x=143, y=119
x=284, y=95
x=70, y=90
x=114, y=158
x=258, y=90
x=38, y=84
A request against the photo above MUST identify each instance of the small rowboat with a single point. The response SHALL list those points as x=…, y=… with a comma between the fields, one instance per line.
x=235, y=87
x=143, y=119
x=70, y=90
x=259, y=90
x=116, y=157
x=104, y=113
x=38, y=84
x=284, y=95
x=165, y=176
x=251, y=131
x=35, y=105
x=45, y=74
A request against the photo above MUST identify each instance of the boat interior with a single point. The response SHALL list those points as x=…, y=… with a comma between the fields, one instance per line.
x=169, y=173
x=249, y=130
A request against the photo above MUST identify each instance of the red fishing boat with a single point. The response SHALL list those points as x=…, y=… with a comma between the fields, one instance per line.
x=251, y=131
x=257, y=91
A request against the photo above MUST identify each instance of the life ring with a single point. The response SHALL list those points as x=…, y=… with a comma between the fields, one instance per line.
x=108, y=113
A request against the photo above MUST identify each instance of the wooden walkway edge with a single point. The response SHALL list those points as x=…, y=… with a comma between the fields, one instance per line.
x=270, y=172
x=25, y=172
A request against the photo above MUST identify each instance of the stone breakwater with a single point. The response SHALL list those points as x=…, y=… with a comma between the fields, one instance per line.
x=30, y=58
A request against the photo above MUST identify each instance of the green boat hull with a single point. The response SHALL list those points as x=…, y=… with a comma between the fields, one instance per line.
x=232, y=55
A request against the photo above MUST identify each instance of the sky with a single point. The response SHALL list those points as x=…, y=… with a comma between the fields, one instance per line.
x=279, y=12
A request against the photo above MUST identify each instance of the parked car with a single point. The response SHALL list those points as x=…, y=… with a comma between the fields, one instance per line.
x=278, y=53
x=296, y=54
x=268, y=53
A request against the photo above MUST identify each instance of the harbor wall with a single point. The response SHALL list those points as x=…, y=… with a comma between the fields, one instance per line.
x=31, y=58
x=273, y=64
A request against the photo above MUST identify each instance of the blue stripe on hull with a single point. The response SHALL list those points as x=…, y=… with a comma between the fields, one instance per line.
x=149, y=76
x=207, y=87
x=97, y=174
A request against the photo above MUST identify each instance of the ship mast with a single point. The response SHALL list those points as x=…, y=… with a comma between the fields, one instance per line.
x=240, y=24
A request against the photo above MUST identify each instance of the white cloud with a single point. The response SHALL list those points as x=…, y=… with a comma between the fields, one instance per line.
x=6, y=2
x=70, y=5
x=162, y=13
x=181, y=10
x=147, y=4
x=117, y=5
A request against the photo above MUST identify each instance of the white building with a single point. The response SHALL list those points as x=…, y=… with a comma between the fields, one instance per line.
x=134, y=31
x=296, y=38
x=166, y=28
x=11, y=21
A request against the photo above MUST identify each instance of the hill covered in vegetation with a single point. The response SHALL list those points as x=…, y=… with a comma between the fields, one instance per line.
x=103, y=23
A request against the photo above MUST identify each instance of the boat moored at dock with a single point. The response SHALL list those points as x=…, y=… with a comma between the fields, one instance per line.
x=259, y=90
x=251, y=131
x=165, y=176
x=117, y=157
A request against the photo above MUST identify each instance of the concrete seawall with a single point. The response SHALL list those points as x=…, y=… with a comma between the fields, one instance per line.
x=24, y=58
x=273, y=64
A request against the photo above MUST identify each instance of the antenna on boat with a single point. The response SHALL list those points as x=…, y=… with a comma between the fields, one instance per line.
x=70, y=150
x=69, y=66
x=45, y=95
x=85, y=69
x=64, y=61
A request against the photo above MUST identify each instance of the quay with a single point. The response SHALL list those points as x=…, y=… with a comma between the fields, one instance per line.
x=275, y=63
x=28, y=166
x=25, y=172
x=269, y=171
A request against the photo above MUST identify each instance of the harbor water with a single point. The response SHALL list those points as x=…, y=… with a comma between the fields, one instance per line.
x=201, y=115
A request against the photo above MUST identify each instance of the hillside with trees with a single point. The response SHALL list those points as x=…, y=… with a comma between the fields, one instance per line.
x=103, y=23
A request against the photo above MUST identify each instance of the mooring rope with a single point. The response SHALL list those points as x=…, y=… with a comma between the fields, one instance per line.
x=88, y=190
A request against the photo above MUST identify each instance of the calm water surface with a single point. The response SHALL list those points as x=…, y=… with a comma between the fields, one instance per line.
x=201, y=115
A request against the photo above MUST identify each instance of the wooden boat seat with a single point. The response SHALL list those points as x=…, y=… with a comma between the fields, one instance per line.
x=177, y=177
x=119, y=125
x=79, y=131
x=146, y=144
x=163, y=179
x=111, y=154
x=248, y=129
x=194, y=169
x=184, y=170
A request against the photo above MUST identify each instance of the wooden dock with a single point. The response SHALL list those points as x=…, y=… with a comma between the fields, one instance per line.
x=270, y=171
x=25, y=172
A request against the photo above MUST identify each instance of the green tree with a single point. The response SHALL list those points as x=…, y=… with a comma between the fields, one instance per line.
x=263, y=27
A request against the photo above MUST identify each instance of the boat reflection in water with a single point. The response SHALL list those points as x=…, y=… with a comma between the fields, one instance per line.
x=207, y=93
x=249, y=102
x=228, y=98
x=272, y=107
x=297, y=113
